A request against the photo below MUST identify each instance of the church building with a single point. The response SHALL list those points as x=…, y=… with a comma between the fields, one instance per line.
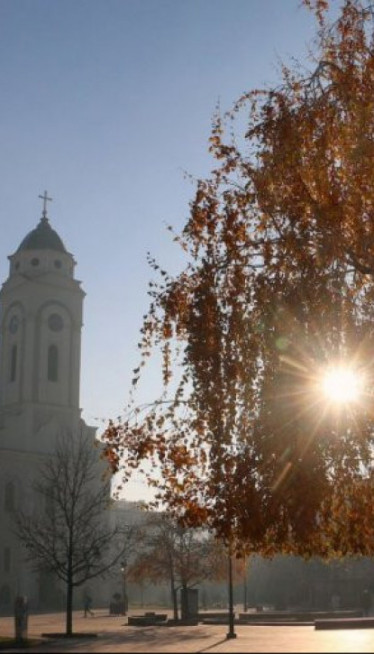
x=40, y=352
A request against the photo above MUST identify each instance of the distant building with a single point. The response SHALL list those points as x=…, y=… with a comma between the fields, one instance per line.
x=130, y=515
x=41, y=320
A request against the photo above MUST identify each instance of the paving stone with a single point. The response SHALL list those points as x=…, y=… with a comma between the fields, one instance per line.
x=114, y=635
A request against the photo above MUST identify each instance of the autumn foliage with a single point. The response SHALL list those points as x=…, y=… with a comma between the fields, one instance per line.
x=278, y=284
x=181, y=557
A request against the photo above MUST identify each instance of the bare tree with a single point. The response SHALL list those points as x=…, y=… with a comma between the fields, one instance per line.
x=182, y=556
x=70, y=535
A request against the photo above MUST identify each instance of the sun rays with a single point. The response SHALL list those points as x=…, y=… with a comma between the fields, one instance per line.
x=342, y=384
x=321, y=399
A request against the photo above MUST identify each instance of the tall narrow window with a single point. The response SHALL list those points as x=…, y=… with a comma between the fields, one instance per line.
x=6, y=560
x=13, y=363
x=52, y=363
x=5, y=596
x=9, y=503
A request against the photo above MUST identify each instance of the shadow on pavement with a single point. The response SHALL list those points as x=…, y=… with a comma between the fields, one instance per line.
x=164, y=636
x=219, y=642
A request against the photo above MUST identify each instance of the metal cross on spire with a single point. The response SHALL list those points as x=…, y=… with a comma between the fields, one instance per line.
x=45, y=199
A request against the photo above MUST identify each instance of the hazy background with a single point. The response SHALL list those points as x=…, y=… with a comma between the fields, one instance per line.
x=105, y=104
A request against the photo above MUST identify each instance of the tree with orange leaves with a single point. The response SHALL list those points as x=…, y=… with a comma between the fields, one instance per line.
x=278, y=286
x=182, y=557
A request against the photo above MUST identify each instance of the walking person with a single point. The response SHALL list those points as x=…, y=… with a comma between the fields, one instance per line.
x=87, y=605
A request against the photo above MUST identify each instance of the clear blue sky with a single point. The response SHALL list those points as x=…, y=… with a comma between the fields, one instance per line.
x=105, y=103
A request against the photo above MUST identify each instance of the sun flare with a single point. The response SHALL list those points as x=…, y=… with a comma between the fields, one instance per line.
x=341, y=385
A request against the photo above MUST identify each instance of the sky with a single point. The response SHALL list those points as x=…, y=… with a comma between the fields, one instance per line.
x=106, y=104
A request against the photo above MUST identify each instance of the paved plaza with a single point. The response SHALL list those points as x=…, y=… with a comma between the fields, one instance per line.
x=113, y=635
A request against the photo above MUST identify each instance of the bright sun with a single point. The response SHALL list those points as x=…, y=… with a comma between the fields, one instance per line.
x=342, y=384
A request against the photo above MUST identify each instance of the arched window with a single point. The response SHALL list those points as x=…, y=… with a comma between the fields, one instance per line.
x=5, y=596
x=13, y=363
x=9, y=497
x=6, y=559
x=53, y=363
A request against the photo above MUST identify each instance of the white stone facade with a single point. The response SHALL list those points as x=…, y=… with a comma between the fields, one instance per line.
x=41, y=320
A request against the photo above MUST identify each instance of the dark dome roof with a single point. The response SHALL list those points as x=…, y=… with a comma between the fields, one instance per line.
x=43, y=237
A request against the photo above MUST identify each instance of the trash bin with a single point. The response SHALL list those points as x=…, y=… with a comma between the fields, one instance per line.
x=20, y=617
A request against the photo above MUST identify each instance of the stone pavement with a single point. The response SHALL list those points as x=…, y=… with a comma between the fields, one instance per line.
x=115, y=636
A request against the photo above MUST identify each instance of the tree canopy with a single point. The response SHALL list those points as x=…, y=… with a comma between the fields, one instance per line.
x=277, y=287
x=183, y=557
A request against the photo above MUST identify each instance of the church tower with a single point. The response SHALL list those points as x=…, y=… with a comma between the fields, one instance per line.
x=41, y=321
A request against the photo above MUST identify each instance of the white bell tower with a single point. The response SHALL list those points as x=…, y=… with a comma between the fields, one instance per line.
x=41, y=322
x=40, y=349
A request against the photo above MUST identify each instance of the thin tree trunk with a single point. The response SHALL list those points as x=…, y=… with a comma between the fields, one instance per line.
x=173, y=592
x=175, y=603
x=245, y=588
x=231, y=632
x=69, y=596
x=69, y=609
